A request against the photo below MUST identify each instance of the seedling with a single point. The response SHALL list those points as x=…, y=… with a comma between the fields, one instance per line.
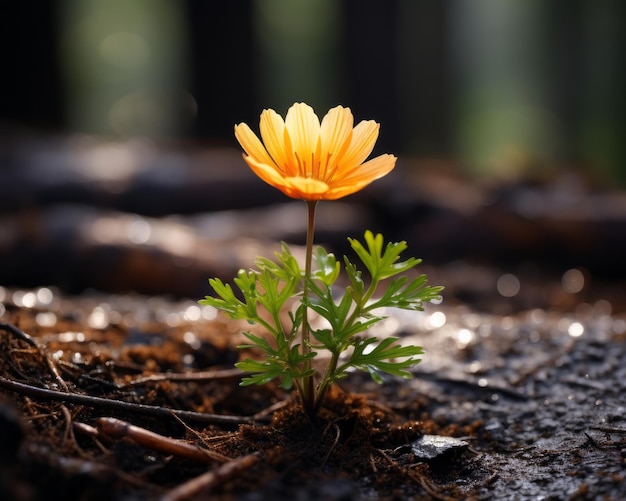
x=313, y=161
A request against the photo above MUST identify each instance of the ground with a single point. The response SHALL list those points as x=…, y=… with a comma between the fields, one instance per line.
x=115, y=384
x=535, y=397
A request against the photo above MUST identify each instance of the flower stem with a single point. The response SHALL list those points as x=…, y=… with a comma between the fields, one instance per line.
x=326, y=382
x=308, y=384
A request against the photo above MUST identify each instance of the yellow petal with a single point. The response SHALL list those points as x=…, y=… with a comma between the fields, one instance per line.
x=343, y=190
x=251, y=144
x=335, y=133
x=371, y=170
x=362, y=176
x=305, y=188
x=303, y=128
x=267, y=173
x=364, y=137
x=272, y=129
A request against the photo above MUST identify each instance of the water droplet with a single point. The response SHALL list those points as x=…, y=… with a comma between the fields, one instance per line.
x=619, y=326
x=464, y=337
x=537, y=316
x=24, y=299
x=576, y=329
x=508, y=285
x=573, y=281
x=602, y=307
x=209, y=312
x=44, y=295
x=507, y=323
x=70, y=337
x=139, y=231
x=475, y=367
x=98, y=318
x=191, y=339
x=46, y=319
x=172, y=319
x=437, y=320
x=192, y=313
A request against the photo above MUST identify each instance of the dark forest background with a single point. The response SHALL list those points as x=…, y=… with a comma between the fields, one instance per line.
x=503, y=87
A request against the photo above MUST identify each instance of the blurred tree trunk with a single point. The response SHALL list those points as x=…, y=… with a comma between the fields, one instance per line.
x=224, y=70
x=371, y=60
x=31, y=87
x=423, y=77
x=603, y=129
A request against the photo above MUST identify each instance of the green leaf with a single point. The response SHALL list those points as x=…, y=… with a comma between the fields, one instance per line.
x=356, y=289
x=275, y=292
x=259, y=342
x=387, y=356
x=227, y=300
x=406, y=296
x=262, y=372
x=296, y=318
x=382, y=264
x=285, y=268
x=328, y=268
x=328, y=340
x=336, y=314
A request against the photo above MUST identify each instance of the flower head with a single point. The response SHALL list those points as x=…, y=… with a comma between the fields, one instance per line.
x=310, y=160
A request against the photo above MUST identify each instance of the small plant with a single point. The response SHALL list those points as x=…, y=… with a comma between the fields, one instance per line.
x=313, y=161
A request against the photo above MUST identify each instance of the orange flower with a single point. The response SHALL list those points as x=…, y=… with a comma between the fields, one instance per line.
x=312, y=161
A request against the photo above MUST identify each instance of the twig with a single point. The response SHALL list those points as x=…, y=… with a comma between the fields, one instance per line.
x=263, y=414
x=30, y=341
x=20, y=334
x=335, y=442
x=74, y=466
x=116, y=428
x=119, y=405
x=68, y=434
x=211, y=479
x=204, y=440
x=90, y=431
x=609, y=429
x=428, y=486
x=191, y=376
x=592, y=441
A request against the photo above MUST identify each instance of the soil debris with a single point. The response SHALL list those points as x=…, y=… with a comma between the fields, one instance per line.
x=147, y=405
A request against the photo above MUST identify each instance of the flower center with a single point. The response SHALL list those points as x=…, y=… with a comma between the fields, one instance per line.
x=309, y=171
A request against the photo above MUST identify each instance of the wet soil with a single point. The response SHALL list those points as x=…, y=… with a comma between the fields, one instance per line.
x=535, y=396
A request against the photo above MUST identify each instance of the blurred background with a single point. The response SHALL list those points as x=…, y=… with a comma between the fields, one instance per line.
x=117, y=157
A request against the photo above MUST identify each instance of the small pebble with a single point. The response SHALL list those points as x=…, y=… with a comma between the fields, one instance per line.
x=432, y=447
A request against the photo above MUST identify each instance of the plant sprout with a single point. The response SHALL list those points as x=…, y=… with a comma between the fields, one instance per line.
x=316, y=161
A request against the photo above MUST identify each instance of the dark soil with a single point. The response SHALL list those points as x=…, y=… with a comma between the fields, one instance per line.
x=536, y=396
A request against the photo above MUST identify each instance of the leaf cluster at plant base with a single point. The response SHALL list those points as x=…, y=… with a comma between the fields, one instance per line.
x=266, y=291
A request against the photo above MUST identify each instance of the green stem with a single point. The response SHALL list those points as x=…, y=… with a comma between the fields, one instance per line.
x=326, y=381
x=361, y=307
x=274, y=331
x=308, y=384
x=370, y=291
